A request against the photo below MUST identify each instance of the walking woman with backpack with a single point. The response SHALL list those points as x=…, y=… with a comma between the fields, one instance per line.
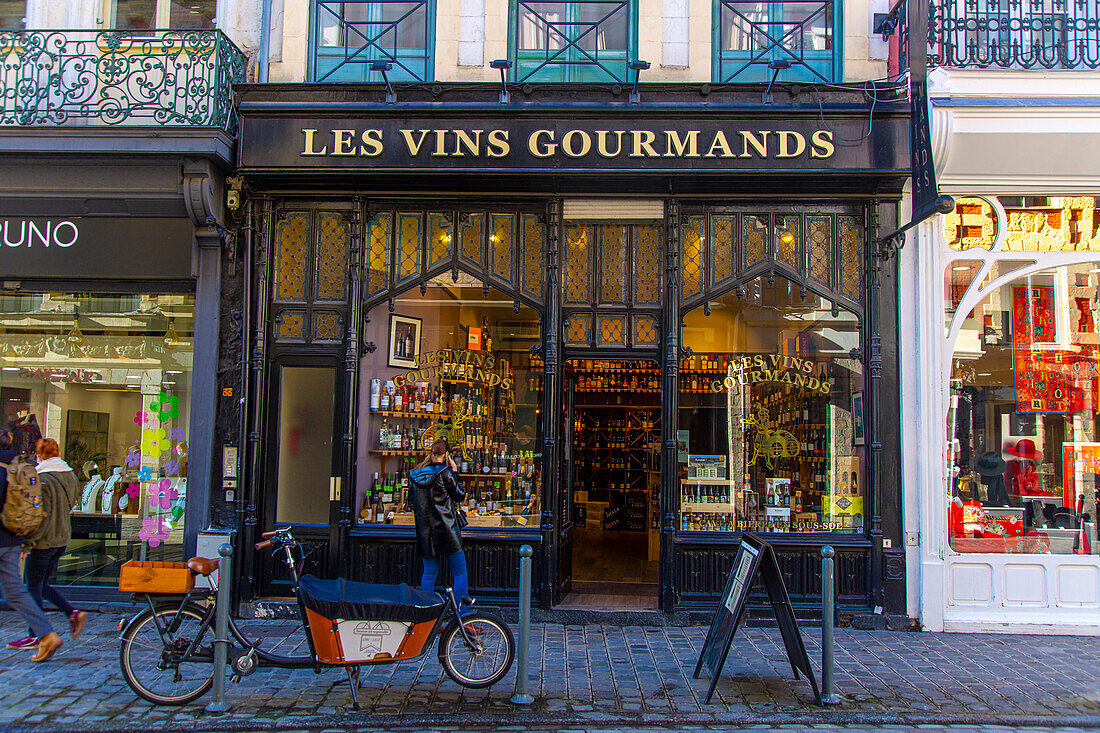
x=436, y=495
x=42, y=637
x=47, y=543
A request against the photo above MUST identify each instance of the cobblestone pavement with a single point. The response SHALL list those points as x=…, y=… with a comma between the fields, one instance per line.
x=601, y=676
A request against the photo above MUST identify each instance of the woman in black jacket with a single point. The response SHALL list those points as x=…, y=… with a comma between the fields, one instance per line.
x=435, y=497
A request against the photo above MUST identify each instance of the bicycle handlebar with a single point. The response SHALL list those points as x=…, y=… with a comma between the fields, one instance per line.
x=262, y=545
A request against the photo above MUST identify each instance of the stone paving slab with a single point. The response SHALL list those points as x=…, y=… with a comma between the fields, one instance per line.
x=592, y=676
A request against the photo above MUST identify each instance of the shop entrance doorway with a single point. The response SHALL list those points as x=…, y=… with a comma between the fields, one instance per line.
x=613, y=473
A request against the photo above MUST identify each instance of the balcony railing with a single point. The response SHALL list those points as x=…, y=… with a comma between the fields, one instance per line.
x=1006, y=34
x=113, y=77
x=794, y=38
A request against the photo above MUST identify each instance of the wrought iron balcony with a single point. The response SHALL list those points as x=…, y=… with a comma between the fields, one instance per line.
x=794, y=37
x=119, y=77
x=1006, y=34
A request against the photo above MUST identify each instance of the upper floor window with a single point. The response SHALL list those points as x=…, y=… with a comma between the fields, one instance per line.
x=755, y=39
x=349, y=36
x=148, y=14
x=12, y=14
x=581, y=40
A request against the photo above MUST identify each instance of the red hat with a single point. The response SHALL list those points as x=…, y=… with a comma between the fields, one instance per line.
x=1025, y=449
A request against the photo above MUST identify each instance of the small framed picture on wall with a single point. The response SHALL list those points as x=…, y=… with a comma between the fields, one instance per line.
x=857, y=418
x=404, y=341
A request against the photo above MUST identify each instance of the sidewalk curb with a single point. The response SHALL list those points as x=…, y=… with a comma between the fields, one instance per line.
x=348, y=722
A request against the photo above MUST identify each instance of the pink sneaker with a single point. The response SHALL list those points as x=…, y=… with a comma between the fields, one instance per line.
x=27, y=642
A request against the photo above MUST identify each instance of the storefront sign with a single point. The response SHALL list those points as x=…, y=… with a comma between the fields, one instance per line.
x=95, y=247
x=472, y=366
x=774, y=368
x=566, y=143
x=54, y=374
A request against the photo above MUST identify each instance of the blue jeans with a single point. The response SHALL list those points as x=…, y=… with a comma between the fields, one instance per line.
x=17, y=595
x=41, y=566
x=457, y=563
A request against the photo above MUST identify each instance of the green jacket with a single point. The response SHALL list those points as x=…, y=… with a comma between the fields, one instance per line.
x=60, y=492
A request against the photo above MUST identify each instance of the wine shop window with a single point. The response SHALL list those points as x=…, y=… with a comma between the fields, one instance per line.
x=455, y=363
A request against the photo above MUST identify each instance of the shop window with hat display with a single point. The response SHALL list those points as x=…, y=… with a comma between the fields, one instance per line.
x=1024, y=400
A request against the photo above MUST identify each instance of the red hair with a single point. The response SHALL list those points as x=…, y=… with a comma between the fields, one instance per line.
x=46, y=448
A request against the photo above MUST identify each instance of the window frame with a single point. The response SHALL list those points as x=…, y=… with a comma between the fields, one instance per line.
x=574, y=69
x=396, y=74
x=162, y=16
x=798, y=72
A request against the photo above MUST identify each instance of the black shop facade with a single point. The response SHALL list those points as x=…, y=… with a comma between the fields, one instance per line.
x=645, y=329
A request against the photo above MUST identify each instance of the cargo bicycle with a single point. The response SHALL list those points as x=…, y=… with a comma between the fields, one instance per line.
x=167, y=649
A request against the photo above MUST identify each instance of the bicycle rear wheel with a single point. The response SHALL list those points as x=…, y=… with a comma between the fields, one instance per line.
x=158, y=669
x=484, y=661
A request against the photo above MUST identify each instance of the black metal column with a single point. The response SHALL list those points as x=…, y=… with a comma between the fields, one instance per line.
x=874, y=369
x=552, y=488
x=351, y=377
x=670, y=404
x=252, y=392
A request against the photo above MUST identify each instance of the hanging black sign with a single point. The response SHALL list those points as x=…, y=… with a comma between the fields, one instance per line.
x=753, y=555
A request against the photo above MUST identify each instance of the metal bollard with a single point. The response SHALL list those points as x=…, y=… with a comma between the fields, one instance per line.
x=522, y=697
x=828, y=695
x=221, y=629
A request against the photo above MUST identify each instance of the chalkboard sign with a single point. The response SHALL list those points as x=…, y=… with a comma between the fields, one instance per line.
x=754, y=555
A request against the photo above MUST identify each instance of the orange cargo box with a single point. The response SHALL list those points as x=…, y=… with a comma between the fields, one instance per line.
x=137, y=576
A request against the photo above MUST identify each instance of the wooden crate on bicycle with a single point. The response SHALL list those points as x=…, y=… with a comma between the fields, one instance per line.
x=139, y=576
x=356, y=623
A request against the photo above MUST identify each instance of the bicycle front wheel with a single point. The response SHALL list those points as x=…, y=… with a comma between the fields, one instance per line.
x=158, y=668
x=485, y=658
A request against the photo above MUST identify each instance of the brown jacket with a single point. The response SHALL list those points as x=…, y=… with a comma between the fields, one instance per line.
x=60, y=492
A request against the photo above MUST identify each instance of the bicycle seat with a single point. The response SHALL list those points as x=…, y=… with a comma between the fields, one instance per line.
x=202, y=565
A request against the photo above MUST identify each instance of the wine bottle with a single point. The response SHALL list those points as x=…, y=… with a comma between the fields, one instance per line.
x=379, y=510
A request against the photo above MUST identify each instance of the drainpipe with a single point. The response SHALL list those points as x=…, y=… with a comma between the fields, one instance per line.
x=265, y=42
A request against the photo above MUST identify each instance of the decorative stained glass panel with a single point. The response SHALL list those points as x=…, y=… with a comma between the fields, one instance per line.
x=378, y=253
x=647, y=265
x=473, y=237
x=612, y=330
x=645, y=331
x=612, y=263
x=578, y=278
x=723, y=247
x=819, y=237
x=578, y=329
x=692, y=265
x=440, y=235
x=331, y=277
x=534, y=238
x=291, y=248
x=327, y=326
x=408, y=246
x=754, y=235
x=851, y=256
x=788, y=243
x=500, y=244
x=290, y=325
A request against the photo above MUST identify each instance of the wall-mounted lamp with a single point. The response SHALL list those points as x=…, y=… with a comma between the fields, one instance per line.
x=503, y=65
x=382, y=67
x=776, y=66
x=637, y=66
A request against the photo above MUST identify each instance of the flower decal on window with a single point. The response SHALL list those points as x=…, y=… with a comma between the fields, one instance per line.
x=167, y=407
x=141, y=417
x=133, y=458
x=133, y=490
x=153, y=530
x=154, y=441
x=163, y=495
x=172, y=468
x=145, y=474
x=179, y=432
